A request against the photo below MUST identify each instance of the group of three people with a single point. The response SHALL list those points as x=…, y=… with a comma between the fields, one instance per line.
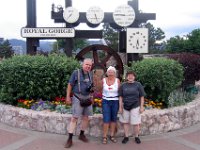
x=127, y=99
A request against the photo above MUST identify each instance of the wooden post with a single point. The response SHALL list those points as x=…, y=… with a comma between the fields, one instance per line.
x=69, y=42
x=31, y=43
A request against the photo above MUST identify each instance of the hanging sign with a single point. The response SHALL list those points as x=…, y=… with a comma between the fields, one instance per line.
x=47, y=32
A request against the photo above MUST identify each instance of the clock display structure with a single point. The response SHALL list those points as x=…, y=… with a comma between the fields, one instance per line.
x=124, y=15
x=137, y=40
x=95, y=15
x=71, y=15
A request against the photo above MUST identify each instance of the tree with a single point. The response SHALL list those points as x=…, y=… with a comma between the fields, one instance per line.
x=6, y=50
x=193, y=43
x=155, y=34
x=111, y=36
x=80, y=44
x=57, y=46
x=188, y=43
x=60, y=44
x=175, y=44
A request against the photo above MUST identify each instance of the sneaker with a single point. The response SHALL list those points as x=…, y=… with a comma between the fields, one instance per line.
x=83, y=138
x=125, y=140
x=68, y=143
x=137, y=140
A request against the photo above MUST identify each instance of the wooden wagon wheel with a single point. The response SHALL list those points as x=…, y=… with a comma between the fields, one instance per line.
x=102, y=56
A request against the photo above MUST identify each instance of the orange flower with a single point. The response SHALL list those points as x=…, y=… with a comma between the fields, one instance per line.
x=25, y=102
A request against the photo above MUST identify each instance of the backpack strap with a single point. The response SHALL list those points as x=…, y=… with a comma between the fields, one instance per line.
x=90, y=78
x=79, y=82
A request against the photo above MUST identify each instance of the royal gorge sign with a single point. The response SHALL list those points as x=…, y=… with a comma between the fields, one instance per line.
x=47, y=32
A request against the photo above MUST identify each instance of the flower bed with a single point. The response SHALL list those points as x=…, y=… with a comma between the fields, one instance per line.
x=58, y=104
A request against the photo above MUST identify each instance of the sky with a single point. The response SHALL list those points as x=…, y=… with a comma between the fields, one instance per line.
x=174, y=17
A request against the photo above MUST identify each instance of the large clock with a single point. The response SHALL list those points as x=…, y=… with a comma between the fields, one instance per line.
x=137, y=40
x=71, y=15
x=95, y=15
x=124, y=15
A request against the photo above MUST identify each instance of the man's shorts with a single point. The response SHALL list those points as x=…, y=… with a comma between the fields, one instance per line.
x=110, y=109
x=133, y=116
x=78, y=110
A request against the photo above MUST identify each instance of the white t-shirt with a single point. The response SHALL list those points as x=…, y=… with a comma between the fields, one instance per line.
x=110, y=92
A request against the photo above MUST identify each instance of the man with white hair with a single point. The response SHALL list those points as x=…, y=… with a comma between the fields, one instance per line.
x=80, y=82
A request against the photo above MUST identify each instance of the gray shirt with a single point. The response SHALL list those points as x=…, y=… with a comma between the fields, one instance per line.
x=85, y=82
x=131, y=93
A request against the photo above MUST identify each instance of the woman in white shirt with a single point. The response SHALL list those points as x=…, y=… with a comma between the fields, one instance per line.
x=110, y=104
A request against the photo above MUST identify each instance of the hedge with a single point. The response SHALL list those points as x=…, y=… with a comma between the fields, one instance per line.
x=35, y=77
x=159, y=76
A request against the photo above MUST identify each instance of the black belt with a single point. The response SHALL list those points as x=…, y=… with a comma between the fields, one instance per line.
x=111, y=97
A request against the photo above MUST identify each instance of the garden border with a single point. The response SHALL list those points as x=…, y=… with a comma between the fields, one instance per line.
x=154, y=121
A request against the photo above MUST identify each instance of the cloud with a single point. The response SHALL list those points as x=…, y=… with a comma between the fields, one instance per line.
x=172, y=16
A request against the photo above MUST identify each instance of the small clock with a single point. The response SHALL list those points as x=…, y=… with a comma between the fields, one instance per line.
x=124, y=15
x=95, y=15
x=137, y=40
x=71, y=15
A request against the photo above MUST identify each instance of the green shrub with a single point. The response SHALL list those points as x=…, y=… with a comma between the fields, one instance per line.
x=35, y=77
x=159, y=76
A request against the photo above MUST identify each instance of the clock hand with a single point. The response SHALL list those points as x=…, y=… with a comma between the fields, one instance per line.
x=119, y=14
x=69, y=16
x=137, y=43
x=96, y=17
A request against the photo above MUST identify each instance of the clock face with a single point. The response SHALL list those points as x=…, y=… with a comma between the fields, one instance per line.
x=124, y=15
x=137, y=40
x=71, y=15
x=95, y=15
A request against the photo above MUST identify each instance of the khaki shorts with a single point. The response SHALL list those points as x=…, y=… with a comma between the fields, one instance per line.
x=133, y=116
x=78, y=111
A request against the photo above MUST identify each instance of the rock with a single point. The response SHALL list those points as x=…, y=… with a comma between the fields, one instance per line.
x=153, y=121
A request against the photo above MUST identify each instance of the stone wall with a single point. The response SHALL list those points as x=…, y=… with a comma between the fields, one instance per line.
x=153, y=121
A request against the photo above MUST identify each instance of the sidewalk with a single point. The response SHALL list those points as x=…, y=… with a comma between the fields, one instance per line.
x=21, y=139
